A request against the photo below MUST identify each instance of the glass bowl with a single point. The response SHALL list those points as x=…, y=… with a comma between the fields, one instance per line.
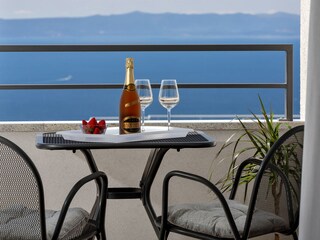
x=96, y=128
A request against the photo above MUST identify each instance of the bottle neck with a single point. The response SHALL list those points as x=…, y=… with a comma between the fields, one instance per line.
x=129, y=80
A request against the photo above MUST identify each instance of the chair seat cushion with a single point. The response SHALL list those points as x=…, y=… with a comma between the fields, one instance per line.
x=210, y=219
x=19, y=222
x=73, y=225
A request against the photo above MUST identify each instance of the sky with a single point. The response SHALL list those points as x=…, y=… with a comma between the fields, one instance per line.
x=11, y=9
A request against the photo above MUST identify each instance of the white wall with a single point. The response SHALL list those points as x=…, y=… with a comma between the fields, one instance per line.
x=304, y=37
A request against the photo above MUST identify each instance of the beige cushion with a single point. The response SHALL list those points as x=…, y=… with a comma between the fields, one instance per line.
x=210, y=219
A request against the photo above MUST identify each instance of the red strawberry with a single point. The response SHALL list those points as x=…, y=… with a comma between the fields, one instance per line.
x=84, y=122
x=102, y=123
x=92, y=122
x=96, y=131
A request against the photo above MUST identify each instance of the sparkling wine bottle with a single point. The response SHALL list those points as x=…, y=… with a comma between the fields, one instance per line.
x=129, y=109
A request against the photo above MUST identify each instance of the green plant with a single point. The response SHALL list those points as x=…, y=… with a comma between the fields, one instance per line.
x=258, y=141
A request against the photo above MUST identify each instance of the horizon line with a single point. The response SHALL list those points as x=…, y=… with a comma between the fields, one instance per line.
x=151, y=13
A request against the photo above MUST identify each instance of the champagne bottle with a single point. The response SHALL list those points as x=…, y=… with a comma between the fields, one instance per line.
x=129, y=109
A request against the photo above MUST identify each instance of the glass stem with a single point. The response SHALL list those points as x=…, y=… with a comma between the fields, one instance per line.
x=142, y=120
x=169, y=117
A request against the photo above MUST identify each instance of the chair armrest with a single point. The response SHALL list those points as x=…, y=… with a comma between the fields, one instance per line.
x=237, y=178
x=101, y=197
x=271, y=166
x=203, y=181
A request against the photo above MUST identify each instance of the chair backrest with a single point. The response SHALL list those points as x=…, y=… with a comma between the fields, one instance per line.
x=21, y=195
x=277, y=185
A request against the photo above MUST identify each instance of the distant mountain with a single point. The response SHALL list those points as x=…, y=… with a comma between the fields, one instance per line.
x=164, y=25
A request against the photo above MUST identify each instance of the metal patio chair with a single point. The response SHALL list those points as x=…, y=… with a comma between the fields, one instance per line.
x=22, y=208
x=229, y=219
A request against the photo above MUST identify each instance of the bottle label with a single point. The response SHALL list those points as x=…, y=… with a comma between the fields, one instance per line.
x=131, y=124
x=130, y=87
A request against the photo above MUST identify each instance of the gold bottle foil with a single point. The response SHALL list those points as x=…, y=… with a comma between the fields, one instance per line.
x=129, y=63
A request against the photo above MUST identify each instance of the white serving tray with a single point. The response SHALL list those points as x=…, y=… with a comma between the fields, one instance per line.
x=112, y=135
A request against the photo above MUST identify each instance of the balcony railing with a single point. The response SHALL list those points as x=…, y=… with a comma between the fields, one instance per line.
x=287, y=85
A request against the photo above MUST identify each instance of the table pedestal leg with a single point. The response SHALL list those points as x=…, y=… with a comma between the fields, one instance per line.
x=90, y=160
x=149, y=174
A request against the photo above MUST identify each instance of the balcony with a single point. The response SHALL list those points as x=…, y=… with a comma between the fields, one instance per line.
x=126, y=219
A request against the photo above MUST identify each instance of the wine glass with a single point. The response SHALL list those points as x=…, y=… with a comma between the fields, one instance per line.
x=169, y=96
x=145, y=94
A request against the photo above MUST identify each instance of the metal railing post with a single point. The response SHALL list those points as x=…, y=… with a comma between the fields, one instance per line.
x=289, y=81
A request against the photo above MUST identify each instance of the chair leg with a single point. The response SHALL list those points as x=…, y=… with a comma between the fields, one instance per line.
x=167, y=234
x=163, y=234
x=103, y=235
x=295, y=236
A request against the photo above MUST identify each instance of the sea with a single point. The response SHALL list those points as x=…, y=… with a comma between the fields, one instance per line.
x=109, y=67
